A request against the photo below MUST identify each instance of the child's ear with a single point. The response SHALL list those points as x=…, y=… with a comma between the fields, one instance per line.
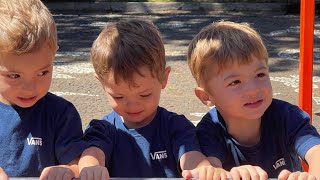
x=166, y=77
x=204, y=97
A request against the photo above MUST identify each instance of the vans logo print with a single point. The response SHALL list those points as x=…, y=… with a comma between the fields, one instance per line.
x=34, y=141
x=279, y=163
x=159, y=155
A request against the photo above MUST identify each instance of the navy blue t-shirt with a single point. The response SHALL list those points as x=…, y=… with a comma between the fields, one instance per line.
x=286, y=134
x=46, y=134
x=151, y=151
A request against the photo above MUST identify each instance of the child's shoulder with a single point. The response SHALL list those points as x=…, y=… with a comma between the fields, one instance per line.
x=282, y=107
x=280, y=103
x=280, y=112
x=111, y=117
x=212, y=119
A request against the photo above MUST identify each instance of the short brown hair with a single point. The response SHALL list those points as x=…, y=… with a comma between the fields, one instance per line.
x=123, y=47
x=25, y=25
x=222, y=43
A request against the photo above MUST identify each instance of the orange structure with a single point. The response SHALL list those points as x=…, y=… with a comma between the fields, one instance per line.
x=307, y=8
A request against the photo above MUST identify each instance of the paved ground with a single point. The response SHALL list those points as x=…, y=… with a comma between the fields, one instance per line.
x=73, y=74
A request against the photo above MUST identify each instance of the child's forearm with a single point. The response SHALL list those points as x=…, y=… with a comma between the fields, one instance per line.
x=312, y=158
x=193, y=159
x=92, y=156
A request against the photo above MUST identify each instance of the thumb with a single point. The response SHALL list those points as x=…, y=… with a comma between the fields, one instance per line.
x=188, y=174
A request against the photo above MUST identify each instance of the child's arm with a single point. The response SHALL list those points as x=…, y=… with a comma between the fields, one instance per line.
x=312, y=158
x=61, y=172
x=3, y=175
x=92, y=165
x=195, y=165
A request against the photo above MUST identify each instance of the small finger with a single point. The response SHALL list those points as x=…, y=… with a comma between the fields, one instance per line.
x=212, y=173
x=90, y=175
x=58, y=176
x=235, y=174
x=83, y=175
x=244, y=174
x=311, y=177
x=304, y=176
x=202, y=174
x=253, y=173
x=262, y=174
x=223, y=176
x=44, y=174
x=294, y=176
x=284, y=174
x=105, y=175
x=68, y=176
x=188, y=174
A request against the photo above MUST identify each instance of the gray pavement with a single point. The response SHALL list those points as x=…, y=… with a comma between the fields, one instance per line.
x=73, y=73
x=77, y=7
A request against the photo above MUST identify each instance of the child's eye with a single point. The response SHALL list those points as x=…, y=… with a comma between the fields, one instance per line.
x=13, y=76
x=145, y=95
x=261, y=75
x=234, y=83
x=43, y=73
x=117, y=97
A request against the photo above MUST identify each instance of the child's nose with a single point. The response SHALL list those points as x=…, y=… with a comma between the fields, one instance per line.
x=252, y=89
x=29, y=85
x=132, y=103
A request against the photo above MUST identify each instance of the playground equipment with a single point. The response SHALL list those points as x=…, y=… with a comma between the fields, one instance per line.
x=307, y=8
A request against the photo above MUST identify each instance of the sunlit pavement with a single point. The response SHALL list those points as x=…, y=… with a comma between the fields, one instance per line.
x=73, y=73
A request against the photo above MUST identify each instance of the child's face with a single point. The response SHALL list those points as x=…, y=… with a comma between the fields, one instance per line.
x=136, y=105
x=26, y=78
x=241, y=92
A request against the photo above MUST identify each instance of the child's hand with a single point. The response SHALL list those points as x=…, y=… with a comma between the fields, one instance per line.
x=206, y=173
x=285, y=174
x=60, y=172
x=248, y=172
x=3, y=175
x=94, y=173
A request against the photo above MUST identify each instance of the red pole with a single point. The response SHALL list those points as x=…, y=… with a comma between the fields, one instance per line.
x=306, y=58
x=306, y=55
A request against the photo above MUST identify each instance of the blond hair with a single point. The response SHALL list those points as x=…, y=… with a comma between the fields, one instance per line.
x=123, y=47
x=220, y=44
x=25, y=25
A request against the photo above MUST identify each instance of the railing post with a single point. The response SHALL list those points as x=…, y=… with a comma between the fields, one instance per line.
x=306, y=58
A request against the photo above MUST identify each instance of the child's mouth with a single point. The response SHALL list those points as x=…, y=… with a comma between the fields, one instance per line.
x=254, y=104
x=27, y=100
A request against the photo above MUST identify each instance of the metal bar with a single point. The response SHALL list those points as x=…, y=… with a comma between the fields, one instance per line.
x=306, y=59
x=306, y=55
x=36, y=178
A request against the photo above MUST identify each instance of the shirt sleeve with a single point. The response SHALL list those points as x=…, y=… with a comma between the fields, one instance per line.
x=101, y=134
x=69, y=142
x=301, y=133
x=211, y=138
